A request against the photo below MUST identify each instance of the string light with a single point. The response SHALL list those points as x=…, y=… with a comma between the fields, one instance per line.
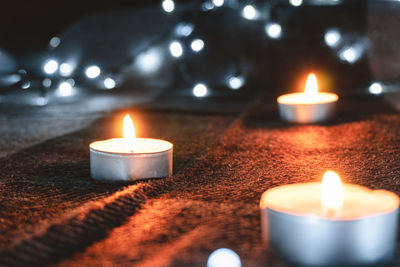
x=332, y=37
x=168, y=5
x=351, y=54
x=109, y=83
x=224, y=257
x=65, y=89
x=46, y=82
x=218, y=3
x=54, y=42
x=65, y=69
x=92, y=71
x=249, y=12
x=207, y=6
x=197, y=45
x=184, y=29
x=42, y=101
x=376, y=88
x=50, y=66
x=296, y=2
x=149, y=61
x=273, y=30
x=235, y=82
x=200, y=90
x=26, y=85
x=176, y=49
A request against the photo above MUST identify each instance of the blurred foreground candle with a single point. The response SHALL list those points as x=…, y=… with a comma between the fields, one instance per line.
x=316, y=224
x=308, y=107
x=130, y=158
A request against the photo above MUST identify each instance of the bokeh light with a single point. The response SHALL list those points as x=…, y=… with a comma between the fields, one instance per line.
x=376, y=88
x=224, y=257
x=92, y=71
x=168, y=5
x=249, y=12
x=273, y=30
x=197, y=45
x=50, y=66
x=109, y=83
x=200, y=90
x=332, y=37
x=176, y=49
x=235, y=82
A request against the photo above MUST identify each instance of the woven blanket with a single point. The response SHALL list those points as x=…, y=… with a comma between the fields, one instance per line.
x=53, y=213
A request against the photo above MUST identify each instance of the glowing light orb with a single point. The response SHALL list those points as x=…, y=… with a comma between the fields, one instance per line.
x=46, y=82
x=332, y=37
x=42, y=101
x=66, y=69
x=376, y=88
x=296, y=2
x=54, y=42
x=218, y=3
x=92, y=71
x=200, y=90
x=235, y=82
x=50, y=66
x=249, y=12
x=168, y=5
x=65, y=89
x=109, y=83
x=149, y=61
x=197, y=45
x=176, y=49
x=224, y=257
x=184, y=29
x=273, y=30
x=26, y=85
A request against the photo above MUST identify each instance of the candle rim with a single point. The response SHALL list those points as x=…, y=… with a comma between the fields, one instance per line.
x=281, y=98
x=170, y=146
x=393, y=196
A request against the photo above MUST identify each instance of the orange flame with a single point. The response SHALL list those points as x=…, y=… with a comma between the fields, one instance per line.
x=331, y=191
x=129, y=134
x=311, y=89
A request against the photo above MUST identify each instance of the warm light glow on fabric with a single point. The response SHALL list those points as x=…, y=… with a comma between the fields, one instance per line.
x=331, y=191
x=129, y=134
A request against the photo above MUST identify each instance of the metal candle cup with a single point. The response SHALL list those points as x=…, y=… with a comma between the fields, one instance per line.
x=130, y=158
x=362, y=232
x=308, y=107
x=107, y=165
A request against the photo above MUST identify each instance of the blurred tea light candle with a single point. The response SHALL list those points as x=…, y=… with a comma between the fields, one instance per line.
x=320, y=224
x=308, y=107
x=130, y=158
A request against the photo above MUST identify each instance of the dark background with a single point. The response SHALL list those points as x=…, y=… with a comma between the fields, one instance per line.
x=282, y=65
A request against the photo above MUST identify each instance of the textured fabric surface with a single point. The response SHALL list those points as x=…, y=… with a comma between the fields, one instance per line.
x=222, y=166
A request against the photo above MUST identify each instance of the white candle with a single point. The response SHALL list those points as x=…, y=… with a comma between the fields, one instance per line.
x=130, y=158
x=308, y=107
x=318, y=224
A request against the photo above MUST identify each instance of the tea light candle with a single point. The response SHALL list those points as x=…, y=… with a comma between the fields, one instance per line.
x=130, y=158
x=308, y=107
x=316, y=224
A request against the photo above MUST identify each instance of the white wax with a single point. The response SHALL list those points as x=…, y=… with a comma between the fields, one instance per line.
x=302, y=98
x=144, y=145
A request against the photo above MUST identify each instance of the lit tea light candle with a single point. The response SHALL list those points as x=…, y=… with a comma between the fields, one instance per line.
x=316, y=224
x=308, y=107
x=130, y=158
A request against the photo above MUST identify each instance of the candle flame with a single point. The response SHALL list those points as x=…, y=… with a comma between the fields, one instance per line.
x=129, y=134
x=311, y=89
x=331, y=191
